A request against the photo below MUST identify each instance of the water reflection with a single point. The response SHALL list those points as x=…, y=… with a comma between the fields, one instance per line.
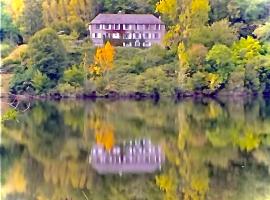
x=214, y=150
x=138, y=156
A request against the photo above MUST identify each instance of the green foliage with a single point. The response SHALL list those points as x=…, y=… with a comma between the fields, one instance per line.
x=48, y=54
x=263, y=32
x=155, y=79
x=21, y=81
x=31, y=19
x=219, y=32
x=41, y=82
x=61, y=27
x=8, y=30
x=74, y=76
x=245, y=50
x=10, y=114
x=79, y=27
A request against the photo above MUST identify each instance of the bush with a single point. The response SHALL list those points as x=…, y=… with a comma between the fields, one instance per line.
x=48, y=54
x=74, y=76
x=61, y=27
x=21, y=81
x=79, y=27
x=16, y=56
x=65, y=88
x=41, y=82
x=155, y=79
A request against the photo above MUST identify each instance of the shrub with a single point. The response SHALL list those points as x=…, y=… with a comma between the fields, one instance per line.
x=41, y=82
x=79, y=27
x=155, y=79
x=61, y=27
x=74, y=76
x=21, y=81
x=16, y=56
x=48, y=54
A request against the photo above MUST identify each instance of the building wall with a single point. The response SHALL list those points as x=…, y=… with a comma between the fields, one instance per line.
x=127, y=34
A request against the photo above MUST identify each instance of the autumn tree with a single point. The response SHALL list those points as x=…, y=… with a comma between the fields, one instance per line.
x=31, y=18
x=103, y=60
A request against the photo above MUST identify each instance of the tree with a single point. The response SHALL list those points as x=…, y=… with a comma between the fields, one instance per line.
x=263, y=32
x=31, y=18
x=41, y=82
x=8, y=29
x=74, y=76
x=103, y=60
x=48, y=54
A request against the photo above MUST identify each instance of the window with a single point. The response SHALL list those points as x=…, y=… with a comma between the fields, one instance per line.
x=137, y=35
x=137, y=43
x=126, y=26
x=127, y=36
x=116, y=35
x=147, y=44
x=136, y=27
x=94, y=35
x=107, y=26
x=97, y=26
x=117, y=26
x=146, y=26
x=157, y=26
x=156, y=35
x=147, y=36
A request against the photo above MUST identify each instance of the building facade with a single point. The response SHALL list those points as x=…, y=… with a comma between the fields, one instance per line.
x=136, y=30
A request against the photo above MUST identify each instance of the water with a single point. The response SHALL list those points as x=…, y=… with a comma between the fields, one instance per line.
x=214, y=150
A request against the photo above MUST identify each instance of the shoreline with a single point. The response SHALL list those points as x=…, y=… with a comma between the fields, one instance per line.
x=137, y=96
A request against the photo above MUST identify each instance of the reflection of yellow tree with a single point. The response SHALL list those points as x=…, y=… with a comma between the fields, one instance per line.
x=16, y=182
x=104, y=133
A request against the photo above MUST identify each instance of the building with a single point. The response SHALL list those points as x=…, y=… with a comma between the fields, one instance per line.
x=137, y=30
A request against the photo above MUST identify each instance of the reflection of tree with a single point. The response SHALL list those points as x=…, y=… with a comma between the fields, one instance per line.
x=208, y=136
x=213, y=149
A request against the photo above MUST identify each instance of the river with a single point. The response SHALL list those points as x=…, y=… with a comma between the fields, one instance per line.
x=203, y=149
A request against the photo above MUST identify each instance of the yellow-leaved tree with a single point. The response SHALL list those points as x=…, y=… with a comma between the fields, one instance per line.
x=103, y=60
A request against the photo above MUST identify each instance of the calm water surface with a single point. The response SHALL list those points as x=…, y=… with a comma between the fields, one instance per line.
x=216, y=150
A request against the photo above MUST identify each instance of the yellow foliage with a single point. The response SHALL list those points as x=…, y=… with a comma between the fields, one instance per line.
x=15, y=181
x=103, y=60
x=104, y=133
x=250, y=141
x=182, y=55
x=166, y=7
x=213, y=80
x=15, y=8
x=16, y=54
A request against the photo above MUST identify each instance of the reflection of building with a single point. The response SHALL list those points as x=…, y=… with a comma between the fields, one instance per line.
x=139, y=156
x=137, y=30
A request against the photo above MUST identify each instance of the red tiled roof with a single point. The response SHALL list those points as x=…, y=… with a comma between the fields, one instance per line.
x=126, y=19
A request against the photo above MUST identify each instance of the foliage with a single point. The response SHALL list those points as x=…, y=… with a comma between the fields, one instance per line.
x=17, y=55
x=48, y=54
x=31, y=17
x=8, y=29
x=61, y=27
x=103, y=60
x=41, y=82
x=10, y=114
x=21, y=81
x=263, y=32
x=74, y=76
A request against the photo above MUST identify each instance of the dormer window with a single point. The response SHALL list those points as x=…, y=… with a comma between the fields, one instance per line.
x=127, y=26
x=107, y=26
x=117, y=26
x=146, y=26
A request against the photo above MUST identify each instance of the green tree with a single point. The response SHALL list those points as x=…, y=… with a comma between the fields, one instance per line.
x=74, y=76
x=41, y=82
x=31, y=18
x=263, y=32
x=48, y=54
